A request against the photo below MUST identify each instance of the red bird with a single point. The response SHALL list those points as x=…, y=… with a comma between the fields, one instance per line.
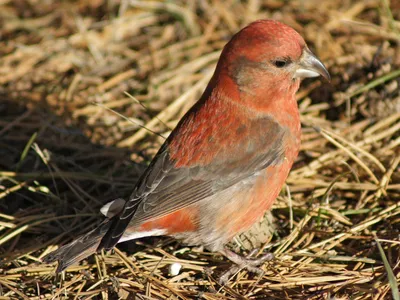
x=225, y=163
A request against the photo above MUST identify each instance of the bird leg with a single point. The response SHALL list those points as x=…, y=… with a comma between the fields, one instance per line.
x=248, y=263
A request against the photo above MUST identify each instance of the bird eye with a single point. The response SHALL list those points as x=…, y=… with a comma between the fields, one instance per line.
x=280, y=63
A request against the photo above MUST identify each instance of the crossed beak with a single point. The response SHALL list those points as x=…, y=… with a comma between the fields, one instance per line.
x=311, y=66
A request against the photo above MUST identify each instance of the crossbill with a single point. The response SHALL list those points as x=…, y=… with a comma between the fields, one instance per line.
x=224, y=164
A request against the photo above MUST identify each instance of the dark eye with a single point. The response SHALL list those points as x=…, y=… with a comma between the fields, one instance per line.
x=281, y=63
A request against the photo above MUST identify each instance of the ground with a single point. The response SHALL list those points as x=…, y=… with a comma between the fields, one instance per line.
x=90, y=89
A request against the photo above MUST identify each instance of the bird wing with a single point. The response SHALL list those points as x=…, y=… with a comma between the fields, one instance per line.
x=166, y=186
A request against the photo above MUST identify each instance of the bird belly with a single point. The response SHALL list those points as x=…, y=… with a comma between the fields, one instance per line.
x=237, y=208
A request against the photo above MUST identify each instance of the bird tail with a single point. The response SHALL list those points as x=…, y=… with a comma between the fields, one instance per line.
x=87, y=244
x=78, y=249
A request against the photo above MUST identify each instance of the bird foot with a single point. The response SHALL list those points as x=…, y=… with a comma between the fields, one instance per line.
x=244, y=263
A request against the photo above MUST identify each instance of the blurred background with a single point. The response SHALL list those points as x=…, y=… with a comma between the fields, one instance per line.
x=90, y=89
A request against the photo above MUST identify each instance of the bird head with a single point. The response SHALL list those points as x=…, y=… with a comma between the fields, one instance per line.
x=268, y=57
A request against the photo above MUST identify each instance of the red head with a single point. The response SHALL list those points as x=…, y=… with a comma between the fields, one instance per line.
x=266, y=42
x=264, y=60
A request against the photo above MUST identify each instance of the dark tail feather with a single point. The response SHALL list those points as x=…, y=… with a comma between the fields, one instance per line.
x=78, y=249
x=114, y=234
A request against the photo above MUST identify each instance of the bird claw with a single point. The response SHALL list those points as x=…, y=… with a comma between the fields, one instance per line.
x=244, y=263
x=259, y=261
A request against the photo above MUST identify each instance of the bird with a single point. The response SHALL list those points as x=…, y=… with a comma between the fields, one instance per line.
x=226, y=161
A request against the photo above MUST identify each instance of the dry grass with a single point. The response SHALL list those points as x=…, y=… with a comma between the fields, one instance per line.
x=71, y=139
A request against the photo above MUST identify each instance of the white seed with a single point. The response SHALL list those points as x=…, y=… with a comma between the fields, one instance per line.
x=175, y=268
